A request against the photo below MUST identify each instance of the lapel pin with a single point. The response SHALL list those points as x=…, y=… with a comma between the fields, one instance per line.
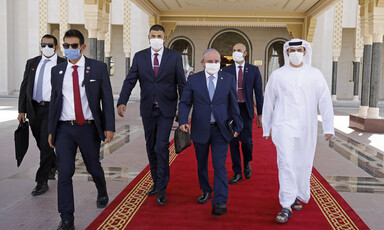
x=33, y=69
x=61, y=72
x=86, y=71
x=88, y=67
x=221, y=78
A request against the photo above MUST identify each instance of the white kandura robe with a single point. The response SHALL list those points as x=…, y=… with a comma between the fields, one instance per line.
x=291, y=101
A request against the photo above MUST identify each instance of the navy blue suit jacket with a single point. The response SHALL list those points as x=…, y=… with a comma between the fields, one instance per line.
x=26, y=88
x=99, y=95
x=163, y=87
x=224, y=106
x=251, y=83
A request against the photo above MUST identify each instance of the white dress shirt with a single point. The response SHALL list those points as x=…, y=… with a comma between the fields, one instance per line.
x=68, y=112
x=160, y=52
x=215, y=76
x=46, y=77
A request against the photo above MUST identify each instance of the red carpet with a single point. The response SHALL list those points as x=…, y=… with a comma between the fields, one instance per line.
x=252, y=204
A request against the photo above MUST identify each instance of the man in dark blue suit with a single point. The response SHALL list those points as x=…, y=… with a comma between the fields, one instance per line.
x=213, y=97
x=248, y=81
x=160, y=72
x=81, y=113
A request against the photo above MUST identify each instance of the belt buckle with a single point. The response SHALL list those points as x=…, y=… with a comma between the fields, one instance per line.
x=72, y=122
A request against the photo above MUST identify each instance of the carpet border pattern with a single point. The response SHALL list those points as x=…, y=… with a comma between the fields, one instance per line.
x=332, y=210
x=123, y=213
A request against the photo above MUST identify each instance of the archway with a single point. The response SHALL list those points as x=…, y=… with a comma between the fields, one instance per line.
x=185, y=47
x=274, y=57
x=224, y=40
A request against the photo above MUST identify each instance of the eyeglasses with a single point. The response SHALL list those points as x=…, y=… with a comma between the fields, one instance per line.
x=74, y=45
x=300, y=50
x=50, y=45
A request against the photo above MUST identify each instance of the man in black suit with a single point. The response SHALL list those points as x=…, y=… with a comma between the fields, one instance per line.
x=248, y=79
x=160, y=72
x=34, y=98
x=81, y=114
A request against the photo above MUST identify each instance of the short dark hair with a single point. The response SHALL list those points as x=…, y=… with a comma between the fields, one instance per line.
x=74, y=33
x=157, y=27
x=50, y=36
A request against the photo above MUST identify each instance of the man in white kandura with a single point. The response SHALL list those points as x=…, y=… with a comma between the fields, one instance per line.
x=293, y=95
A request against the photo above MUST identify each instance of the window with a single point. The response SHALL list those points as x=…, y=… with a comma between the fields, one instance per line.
x=184, y=47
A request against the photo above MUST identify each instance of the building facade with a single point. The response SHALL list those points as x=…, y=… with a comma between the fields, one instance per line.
x=340, y=31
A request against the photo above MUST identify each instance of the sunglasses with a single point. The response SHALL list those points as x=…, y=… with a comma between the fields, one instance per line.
x=50, y=45
x=74, y=45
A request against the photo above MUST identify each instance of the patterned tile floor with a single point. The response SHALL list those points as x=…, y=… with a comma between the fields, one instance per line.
x=352, y=163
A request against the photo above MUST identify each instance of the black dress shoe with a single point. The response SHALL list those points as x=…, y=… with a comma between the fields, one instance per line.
x=52, y=173
x=152, y=190
x=247, y=170
x=219, y=209
x=204, y=197
x=102, y=200
x=161, y=197
x=66, y=225
x=236, y=178
x=40, y=189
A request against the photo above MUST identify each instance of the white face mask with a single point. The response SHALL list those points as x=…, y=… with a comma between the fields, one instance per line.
x=156, y=43
x=212, y=68
x=237, y=56
x=296, y=58
x=48, y=52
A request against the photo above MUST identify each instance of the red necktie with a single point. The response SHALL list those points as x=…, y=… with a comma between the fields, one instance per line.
x=156, y=67
x=156, y=64
x=76, y=96
x=240, y=96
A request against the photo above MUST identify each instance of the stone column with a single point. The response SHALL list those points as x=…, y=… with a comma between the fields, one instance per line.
x=334, y=78
x=366, y=78
x=102, y=30
x=356, y=73
x=367, y=60
x=337, y=37
x=127, y=35
x=92, y=22
x=63, y=27
x=108, y=48
x=373, y=110
x=43, y=18
x=358, y=54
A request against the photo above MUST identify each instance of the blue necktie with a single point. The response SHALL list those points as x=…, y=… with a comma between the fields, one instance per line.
x=211, y=90
x=39, y=90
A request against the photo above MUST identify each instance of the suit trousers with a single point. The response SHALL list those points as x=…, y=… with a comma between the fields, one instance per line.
x=39, y=127
x=246, y=142
x=157, y=129
x=68, y=139
x=219, y=148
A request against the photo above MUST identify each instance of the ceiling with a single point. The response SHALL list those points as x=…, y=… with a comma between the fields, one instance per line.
x=234, y=6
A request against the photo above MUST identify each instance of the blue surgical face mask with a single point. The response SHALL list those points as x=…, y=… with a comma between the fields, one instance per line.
x=72, y=54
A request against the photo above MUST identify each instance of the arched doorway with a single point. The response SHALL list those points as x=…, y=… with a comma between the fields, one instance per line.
x=185, y=47
x=274, y=57
x=224, y=40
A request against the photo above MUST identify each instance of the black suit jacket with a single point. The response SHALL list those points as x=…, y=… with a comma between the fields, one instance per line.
x=252, y=84
x=163, y=87
x=99, y=94
x=26, y=88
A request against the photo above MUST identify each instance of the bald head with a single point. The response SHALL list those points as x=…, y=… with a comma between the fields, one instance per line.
x=239, y=47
